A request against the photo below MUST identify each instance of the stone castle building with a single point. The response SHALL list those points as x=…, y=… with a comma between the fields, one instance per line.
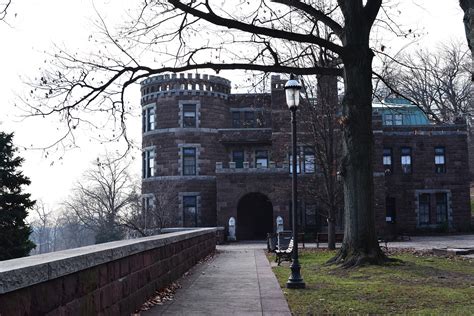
x=217, y=155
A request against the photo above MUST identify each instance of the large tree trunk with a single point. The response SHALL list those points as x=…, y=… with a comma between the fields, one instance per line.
x=468, y=8
x=360, y=243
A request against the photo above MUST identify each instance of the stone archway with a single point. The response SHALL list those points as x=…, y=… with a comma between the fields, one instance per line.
x=254, y=216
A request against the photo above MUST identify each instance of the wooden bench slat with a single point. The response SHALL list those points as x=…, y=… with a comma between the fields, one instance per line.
x=284, y=254
x=324, y=237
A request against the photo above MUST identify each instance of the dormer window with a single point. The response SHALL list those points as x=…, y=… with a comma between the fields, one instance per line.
x=398, y=119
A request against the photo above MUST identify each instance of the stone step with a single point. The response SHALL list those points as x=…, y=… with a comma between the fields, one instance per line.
x=453, y=251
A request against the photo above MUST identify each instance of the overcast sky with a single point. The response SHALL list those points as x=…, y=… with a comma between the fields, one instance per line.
x=34, y=25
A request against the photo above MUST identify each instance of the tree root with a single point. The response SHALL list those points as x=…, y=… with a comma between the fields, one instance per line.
x=350, y=258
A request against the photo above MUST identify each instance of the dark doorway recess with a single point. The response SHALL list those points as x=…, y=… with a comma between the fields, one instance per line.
x=254, y=217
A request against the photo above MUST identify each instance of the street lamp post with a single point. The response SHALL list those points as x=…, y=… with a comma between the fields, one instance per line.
x=292, y=89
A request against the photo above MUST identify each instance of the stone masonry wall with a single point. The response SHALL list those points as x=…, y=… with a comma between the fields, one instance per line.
x=404, y=187
x=108, y=279
x=205, y=189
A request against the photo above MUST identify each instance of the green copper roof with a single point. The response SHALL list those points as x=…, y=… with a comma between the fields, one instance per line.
x=400, y=112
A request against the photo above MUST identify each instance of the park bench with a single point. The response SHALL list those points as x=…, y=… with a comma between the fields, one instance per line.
x=284, y=253
x=385, y=239
x=323, y=237
x=272, y=242
x=281, y=244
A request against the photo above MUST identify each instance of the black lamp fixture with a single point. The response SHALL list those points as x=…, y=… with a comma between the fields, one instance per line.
x=292, y=90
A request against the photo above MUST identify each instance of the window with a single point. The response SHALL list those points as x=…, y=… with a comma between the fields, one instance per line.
x=189, y=115
x=189, y=161
x=308, y=159
x=249, y=119
x=236, y=119
x=310, y=215
x=387, y=160
x=441, y=208
x=148, y=163
x=261, y=158
x=424, y=209
x=406, y=160
x=300, y=213
x=390, y=208
x=388, y=119
x=297, y=163
x=398, y=119
x=189, y=211
x=148, y=203
x=440, y=161
x=260, y=119
x=147, y=209
x=148, y=119
x=238, y=158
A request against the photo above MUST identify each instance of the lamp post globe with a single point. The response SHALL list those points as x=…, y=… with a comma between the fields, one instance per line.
x=292, y=90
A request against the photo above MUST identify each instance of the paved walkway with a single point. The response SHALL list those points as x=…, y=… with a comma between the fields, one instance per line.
x=237, y=281
x=430, y=242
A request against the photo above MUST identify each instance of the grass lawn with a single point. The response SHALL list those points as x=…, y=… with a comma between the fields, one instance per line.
x=421, y=285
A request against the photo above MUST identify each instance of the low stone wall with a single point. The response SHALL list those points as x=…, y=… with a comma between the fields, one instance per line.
x=220, y=232
x=113, y=278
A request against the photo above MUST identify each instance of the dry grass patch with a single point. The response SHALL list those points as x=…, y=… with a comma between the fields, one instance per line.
x=421, y=285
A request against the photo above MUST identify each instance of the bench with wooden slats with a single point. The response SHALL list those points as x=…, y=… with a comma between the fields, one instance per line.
x=284, y=254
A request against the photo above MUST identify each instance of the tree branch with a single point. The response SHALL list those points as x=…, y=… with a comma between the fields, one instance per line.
x=317, y=14
x=253, y=29
x=371, y=10
x=4, y=8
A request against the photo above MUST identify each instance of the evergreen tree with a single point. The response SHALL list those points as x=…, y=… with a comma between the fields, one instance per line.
x=14, y=204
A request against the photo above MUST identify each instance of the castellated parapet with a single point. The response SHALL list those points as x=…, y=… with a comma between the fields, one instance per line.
x=170, y=85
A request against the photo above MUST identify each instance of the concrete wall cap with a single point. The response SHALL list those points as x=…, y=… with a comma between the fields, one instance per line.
x=22, y=272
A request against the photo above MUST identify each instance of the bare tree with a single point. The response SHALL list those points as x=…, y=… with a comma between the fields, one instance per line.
x=439, y=82
x=155, y=211
x=71, y=232
x=44, y=229
x=3, y=8
x=103, y=197
x=266, y=36
x=321, y=114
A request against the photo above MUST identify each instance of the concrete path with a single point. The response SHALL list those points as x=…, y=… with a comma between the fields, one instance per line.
x=430, y=242
x=237, y=281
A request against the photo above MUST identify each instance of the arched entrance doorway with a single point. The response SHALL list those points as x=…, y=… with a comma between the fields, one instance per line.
x=254, y=217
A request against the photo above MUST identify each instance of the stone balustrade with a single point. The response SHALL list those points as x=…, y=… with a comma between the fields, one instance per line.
x=113, y=278
x=232, y=168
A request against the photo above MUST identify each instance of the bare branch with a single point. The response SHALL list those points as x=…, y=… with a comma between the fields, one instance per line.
x=3, y=8
x=254, y=29
x=317, y=14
